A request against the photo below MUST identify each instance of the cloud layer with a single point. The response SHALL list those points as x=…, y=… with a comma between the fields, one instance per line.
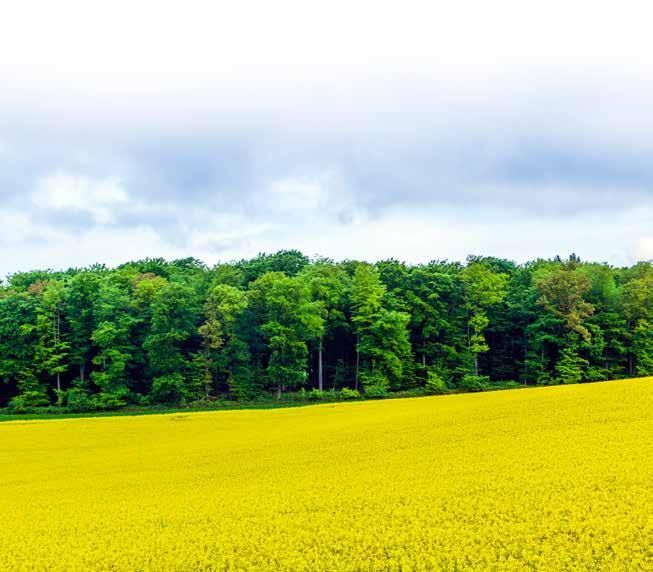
x=367, y=132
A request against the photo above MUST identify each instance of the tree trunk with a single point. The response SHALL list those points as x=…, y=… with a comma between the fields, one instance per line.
x=207, y=375
x=320, y=380
x=58, y=381
x=358, y=360
x=476, y=365
x=278, y=392
x=82, y=370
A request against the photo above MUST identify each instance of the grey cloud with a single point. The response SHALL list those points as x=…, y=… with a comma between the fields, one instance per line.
x=422, y=156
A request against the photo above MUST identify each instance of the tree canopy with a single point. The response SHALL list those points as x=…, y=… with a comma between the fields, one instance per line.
x=153, y=331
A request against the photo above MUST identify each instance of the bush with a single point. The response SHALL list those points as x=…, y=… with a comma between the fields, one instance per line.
x=106, y=400
x=331, y=394
x=434, y=385
x=508, y=384
x=570, y=366
x=316, y=394
x=474, y=383
x=594, y=373
x=374, y=379
x=168, y=388
x=346, y=393
x=142, y=400
x=376, y=391
x=78, y=401
x=28, y=400
x=413, y=392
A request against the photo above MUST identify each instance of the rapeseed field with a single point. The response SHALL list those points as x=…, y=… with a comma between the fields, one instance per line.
x=557, y=478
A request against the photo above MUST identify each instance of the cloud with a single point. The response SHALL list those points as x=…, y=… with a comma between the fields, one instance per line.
x=63, y=192
x=645, y=248
x=370, y=130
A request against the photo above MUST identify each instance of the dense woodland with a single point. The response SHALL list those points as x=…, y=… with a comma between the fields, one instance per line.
x=152, y=331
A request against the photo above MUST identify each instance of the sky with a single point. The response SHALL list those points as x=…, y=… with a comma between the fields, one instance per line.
x=367, y=130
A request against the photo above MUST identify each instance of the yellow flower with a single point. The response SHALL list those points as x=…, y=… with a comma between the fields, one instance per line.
x=554, y=478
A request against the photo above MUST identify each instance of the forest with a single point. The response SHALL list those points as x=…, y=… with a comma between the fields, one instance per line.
x=179, y=332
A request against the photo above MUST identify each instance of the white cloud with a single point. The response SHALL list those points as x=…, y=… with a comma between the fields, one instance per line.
x=645, y=248
x=365, y=129
x=17, y=227
x=65, y=191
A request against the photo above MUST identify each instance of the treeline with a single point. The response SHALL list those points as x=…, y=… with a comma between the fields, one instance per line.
x=154, y=331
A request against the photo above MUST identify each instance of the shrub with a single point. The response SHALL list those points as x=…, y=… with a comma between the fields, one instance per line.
x=434, y=385
x=413, y=392
x=331, y=394
x=374, y=379
x=346, y=393
x=316, y=395
x=376, y=391
x=168, y=388
x=570, y=366
x=474, y=382
x=594, y=373
x=28, y=400
x=508, y=384
x=107, y=400
x=77, y=400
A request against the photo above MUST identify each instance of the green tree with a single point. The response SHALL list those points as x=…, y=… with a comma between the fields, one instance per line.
x=482, y=289
x=81, y=300
x=51, y=350
x=290, y=319
x=174, y=316
x=562, y=294
x=328, y=285
x=367, y=294
x=115, y=315
x=222, y=310
x=17, y=352
x=637, y=301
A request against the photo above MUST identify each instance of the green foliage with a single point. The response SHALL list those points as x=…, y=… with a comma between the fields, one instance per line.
x=376, y=391
x=110, y=400
x=570, y=366
x=482, y=289
x=374, y=379
x=643, y=348
x=474, y=383
x=434, y=385
x=347, y=393
x=315, y=395
x=28, y=400
x=168, y=388
x=158, y=332
x=78, y=400
x=288, y=319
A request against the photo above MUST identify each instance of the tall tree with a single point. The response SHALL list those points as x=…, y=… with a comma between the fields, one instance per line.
x=222, y=310
x=174, y=316
x=51, y=350
x=482, y=289
x=328, y=285
x=562, y=293
x=290, y=320
x=637, y=300
x=81, y=300
x=367, y=293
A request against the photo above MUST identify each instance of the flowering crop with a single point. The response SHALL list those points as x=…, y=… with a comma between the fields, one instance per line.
x=556, y=478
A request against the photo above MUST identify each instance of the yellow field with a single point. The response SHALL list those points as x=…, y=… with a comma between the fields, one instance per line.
x=554, y=478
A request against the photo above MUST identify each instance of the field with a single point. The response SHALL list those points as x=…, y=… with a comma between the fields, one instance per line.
x=554, y=478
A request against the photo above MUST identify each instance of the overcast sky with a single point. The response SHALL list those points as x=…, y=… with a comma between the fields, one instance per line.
x=346, y=129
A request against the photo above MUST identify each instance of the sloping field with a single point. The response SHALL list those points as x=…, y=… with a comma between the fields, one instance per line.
x=553, y=478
